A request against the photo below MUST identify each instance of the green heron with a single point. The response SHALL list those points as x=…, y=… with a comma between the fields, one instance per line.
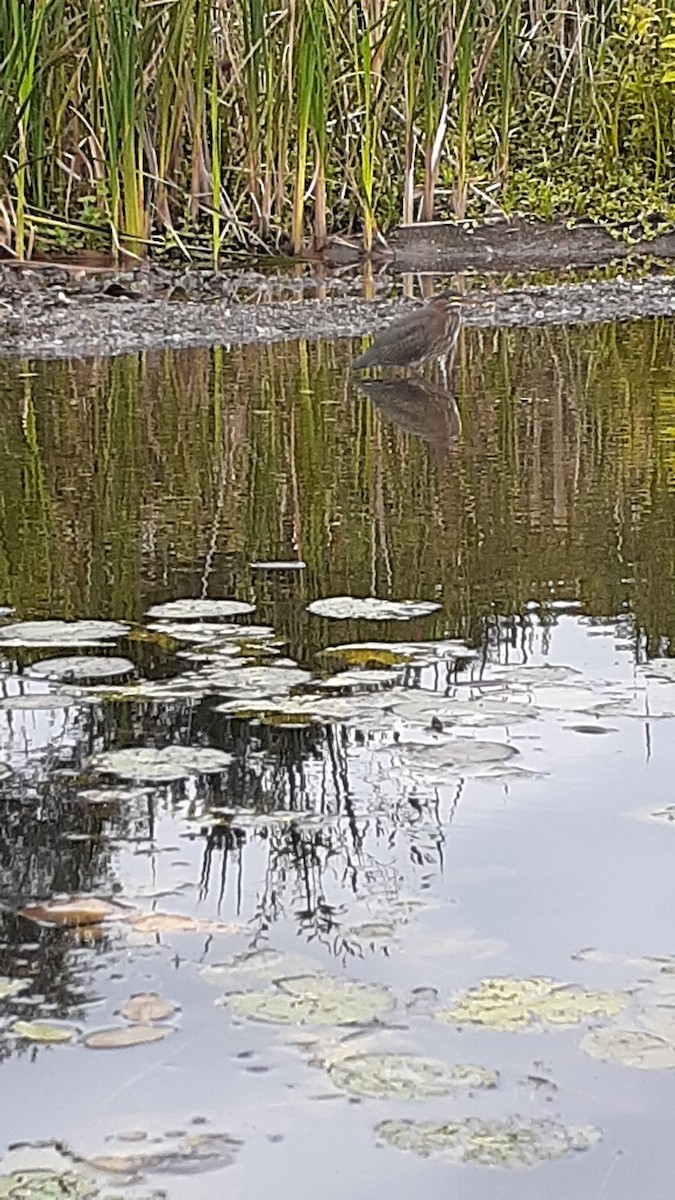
x=427, y=333
x=418, y=407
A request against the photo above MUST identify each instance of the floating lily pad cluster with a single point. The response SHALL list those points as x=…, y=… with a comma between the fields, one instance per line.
x=512, y=1143
x=512, y=1004
x=313, y=1000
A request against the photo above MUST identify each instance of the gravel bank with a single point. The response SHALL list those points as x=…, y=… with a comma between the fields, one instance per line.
x=51, y=314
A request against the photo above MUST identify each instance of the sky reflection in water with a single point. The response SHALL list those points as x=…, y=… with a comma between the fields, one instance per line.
x=130, y=482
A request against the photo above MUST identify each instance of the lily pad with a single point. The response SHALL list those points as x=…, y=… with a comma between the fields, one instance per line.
x=630, y=1047
x=12, y=987
x=160, y=765
x=113, y=795
x=422, y=707
x=262, y=682
x=38, y=701
x=45, y=1184
x=406, y=1077
x=41, y=634
x=45, y=1031
x=515, y=1142
x=82, y=668
x=199, y=610
x=160, y=922
x=514, y=1004
x=75, y=911
x=5, y=770
x=261, y=964
x=346, y=608
x=312, y=1000
x=290, y=565
x=147, y=1007
x=118, y=1037
x=389, y=654
x=171, y=1155
x=460, y=754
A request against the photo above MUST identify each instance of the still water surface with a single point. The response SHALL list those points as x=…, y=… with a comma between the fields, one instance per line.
x=535, y=506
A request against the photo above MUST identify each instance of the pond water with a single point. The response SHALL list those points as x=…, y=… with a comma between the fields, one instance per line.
x=343, y=822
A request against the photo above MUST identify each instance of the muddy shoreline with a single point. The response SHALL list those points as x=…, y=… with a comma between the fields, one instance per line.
x=50, y=311
x=80, y=326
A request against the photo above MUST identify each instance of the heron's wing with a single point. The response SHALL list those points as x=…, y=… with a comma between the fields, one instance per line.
x=404, y=341
x=403, y=329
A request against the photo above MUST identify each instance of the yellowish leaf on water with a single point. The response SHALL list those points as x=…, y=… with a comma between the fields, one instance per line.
x=126, y=1035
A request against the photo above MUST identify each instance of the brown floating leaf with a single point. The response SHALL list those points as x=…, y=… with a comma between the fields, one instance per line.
x=147, y=1006
x=126, y=1035
x=75, y=910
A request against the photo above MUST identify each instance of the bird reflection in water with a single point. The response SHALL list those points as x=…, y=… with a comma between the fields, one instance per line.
x=419, y=407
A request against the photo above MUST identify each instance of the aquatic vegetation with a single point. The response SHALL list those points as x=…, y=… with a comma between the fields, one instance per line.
x=313, y=1000
x=199, y=610
x=45, y=1184
x=168, y=764
x=121, y=1036
x=81, y=668
x=39, y=701
x=349, y=608
x=259, y=964
x=630, y=1047
x=43, y=634
x=483, y=117
x=172, y=1154
x=513, y=1143
x=406, y=1077
x=76, y=911
x=162, y=922
x=45, y=1031
x=513, y=1004
x=147, y=1007
x=12, y=987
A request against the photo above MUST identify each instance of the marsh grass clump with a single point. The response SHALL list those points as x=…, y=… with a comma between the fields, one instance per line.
x=138, y=126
